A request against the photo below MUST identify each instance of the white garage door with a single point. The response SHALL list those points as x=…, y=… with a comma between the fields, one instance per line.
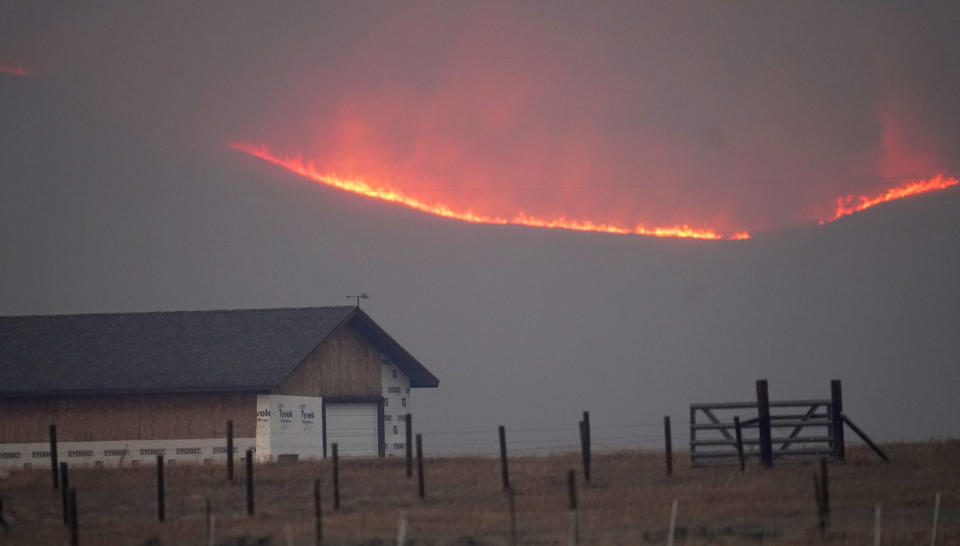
x=354, y=429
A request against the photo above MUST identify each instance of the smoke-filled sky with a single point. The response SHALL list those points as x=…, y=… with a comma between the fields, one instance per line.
x=121, y=190
x=731, y=117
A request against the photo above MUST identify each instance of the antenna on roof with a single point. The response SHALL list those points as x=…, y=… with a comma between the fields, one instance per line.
x=360, y=296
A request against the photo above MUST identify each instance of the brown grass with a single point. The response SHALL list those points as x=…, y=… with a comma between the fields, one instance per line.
x=627, y=503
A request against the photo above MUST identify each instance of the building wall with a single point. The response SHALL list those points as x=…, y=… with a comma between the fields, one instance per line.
x=132, y=417
x=396, y=404
x=345, y=364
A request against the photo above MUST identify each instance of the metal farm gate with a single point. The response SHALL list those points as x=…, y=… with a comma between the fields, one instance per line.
x=770, y=431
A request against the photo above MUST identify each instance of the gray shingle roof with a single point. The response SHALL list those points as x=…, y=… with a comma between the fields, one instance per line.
x=180, y=351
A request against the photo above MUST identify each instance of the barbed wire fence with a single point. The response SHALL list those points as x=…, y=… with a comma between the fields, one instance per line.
x=549, y=440
x=538, y=509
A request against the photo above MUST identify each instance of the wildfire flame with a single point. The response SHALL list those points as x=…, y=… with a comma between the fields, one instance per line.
x=846, y=205
x=14, y=70
x=307, y=169
x=849, y=204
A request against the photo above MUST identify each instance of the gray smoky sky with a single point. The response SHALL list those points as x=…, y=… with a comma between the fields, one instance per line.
x=120, y=192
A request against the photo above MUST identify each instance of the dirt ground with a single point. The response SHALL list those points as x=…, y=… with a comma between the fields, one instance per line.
x=627, y=502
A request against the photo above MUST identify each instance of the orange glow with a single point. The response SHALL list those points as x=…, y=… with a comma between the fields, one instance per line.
x=308, y=170
x=14, y=70
x=850, y=204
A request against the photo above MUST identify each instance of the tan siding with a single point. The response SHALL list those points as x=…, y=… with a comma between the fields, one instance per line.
x=345, y=364
x=141, y=417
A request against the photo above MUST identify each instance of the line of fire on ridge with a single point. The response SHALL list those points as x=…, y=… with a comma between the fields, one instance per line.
x=851, y=204
x=308, y=170
x=845, y=206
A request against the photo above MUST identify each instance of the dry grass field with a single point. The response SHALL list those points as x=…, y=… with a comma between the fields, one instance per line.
x=628, y=502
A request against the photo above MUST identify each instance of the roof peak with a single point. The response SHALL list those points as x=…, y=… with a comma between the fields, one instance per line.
x=182, y=311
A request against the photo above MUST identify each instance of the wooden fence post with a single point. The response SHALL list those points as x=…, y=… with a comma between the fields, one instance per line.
x=739, y=432
x=317, y=512
x=420, y=486
x=230, y=450
x=161, y=491
x=763, y=421
x=588, y=450
x=409, y=445
x=53, y=457
x=573, y=526
x=74, y=524
x=585, y=450
x=65, y=491
x=668, y=444
x=249, y=482
x=836, y=420
x=504, y=469
x=336, y=476
x=583, y=446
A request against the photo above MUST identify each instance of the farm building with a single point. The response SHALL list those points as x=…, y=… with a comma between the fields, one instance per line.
x=124, y=387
